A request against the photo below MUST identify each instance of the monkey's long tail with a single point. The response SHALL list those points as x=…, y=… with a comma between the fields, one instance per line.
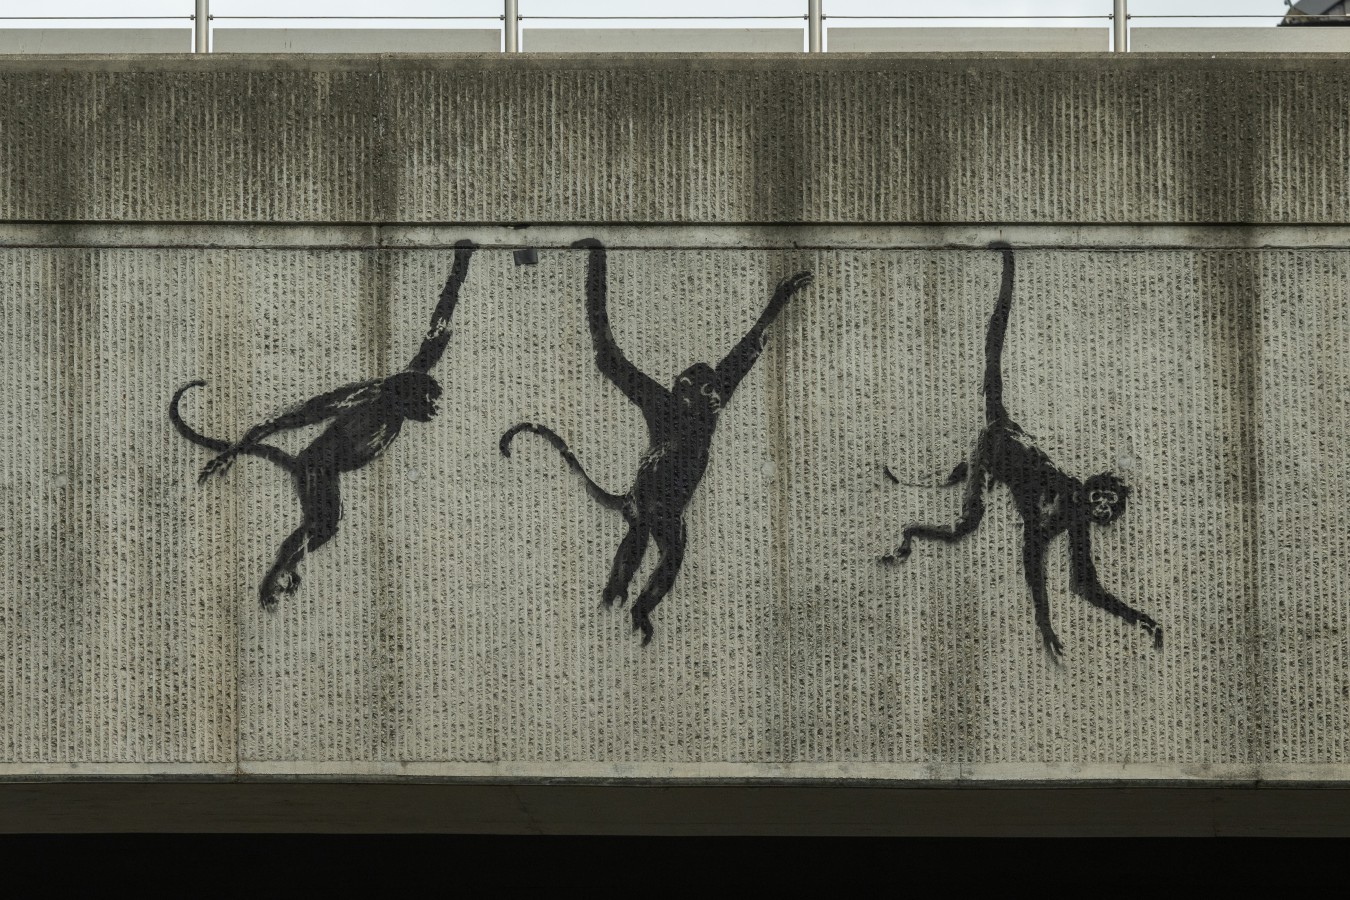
x=958, y=475
x=266, y=451
x=995, y=339
x=602, y=496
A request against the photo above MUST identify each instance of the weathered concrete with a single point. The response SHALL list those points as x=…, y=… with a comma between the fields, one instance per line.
x=1187, y=333
x=678, y=138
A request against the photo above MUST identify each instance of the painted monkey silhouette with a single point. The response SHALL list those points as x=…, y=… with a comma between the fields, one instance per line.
x=680, y=424
x=366, y=418
x=1049, y=501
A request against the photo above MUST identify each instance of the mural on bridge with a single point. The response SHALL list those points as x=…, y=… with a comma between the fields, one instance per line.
x=366, y=418
x=680, y=420
x=1049, y=501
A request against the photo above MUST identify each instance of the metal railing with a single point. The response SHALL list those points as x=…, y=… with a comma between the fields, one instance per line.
x=510, y=20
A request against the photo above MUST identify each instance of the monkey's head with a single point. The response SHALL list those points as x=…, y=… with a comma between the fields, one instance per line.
x=697, y=387
x=412, y=395
x=1104, y=496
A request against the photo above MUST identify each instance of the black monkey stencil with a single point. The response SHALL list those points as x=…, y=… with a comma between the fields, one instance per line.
x=680, y=424
x=366, y=418
x=1049, y=501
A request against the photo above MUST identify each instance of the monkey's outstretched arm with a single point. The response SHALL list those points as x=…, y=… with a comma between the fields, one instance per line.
x=636, y=386
x=312, y=412
x=737, y=364
x=438, y=334
x=1084, y=582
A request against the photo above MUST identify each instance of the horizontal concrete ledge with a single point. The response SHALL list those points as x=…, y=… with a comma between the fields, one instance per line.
x=583, y=809
x=945, y=61
x=678, y=237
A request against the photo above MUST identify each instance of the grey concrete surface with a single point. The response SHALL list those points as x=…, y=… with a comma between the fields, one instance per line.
x=355, y=40
x=279, y=227
x=1048, y=138
x=464, y=636
x=934, y=40
x=662, y=40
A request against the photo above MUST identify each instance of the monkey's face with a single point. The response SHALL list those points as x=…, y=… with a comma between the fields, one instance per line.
x=414, y=395
x=697, y=387
x=1105, y=495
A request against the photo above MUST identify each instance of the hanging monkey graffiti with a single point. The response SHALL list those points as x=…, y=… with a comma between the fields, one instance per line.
x=680, y=420
x=365, y=417
x=1049, y=502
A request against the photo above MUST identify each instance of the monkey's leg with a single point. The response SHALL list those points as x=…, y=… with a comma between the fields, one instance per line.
x=1033, y=564
x=670, y=541
x=626, y=561
x=321, y=508
x=972, y=512
x=1084, y=583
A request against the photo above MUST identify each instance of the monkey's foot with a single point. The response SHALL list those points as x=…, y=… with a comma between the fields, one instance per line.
x=644, y=624
x=614, y=595
x=217, y=466
x=285, y=583
x=1052, y=644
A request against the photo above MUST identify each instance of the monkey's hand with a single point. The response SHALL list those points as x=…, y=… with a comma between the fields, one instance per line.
x=794, y=283
x=1152, y=628
x=219, y=465
x=463, y=251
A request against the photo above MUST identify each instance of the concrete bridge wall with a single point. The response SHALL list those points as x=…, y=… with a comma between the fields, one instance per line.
x=282, y=226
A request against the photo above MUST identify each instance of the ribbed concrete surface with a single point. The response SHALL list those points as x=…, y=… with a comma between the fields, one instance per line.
x=1038, y=138
x=455, y=617
x=453, y=628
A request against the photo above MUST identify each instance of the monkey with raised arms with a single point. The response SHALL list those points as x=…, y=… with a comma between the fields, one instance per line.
x=1049, y=501
x=680, y=419
x=365, y=417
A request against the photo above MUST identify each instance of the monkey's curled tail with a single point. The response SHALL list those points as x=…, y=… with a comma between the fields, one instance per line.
x=957, y=476
x=994, y=340
x=266, y=451
x=602, y=496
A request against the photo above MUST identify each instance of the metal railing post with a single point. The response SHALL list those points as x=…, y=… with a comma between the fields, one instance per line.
x=1120, y=26
x=201, y=24
x=815, y=27
x=512, y=26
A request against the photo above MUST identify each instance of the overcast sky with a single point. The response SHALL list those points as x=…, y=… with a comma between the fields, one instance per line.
x=1269, y=11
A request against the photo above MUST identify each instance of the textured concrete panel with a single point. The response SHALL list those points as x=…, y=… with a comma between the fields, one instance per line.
x=355, y=40
x=1126, y=362
x=677, y=139
x=928, y=40
x=662, y=40
x=118, y=629
x=453, y=624
x=1303, y=405
x=1240, y=40
x=95, y=40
